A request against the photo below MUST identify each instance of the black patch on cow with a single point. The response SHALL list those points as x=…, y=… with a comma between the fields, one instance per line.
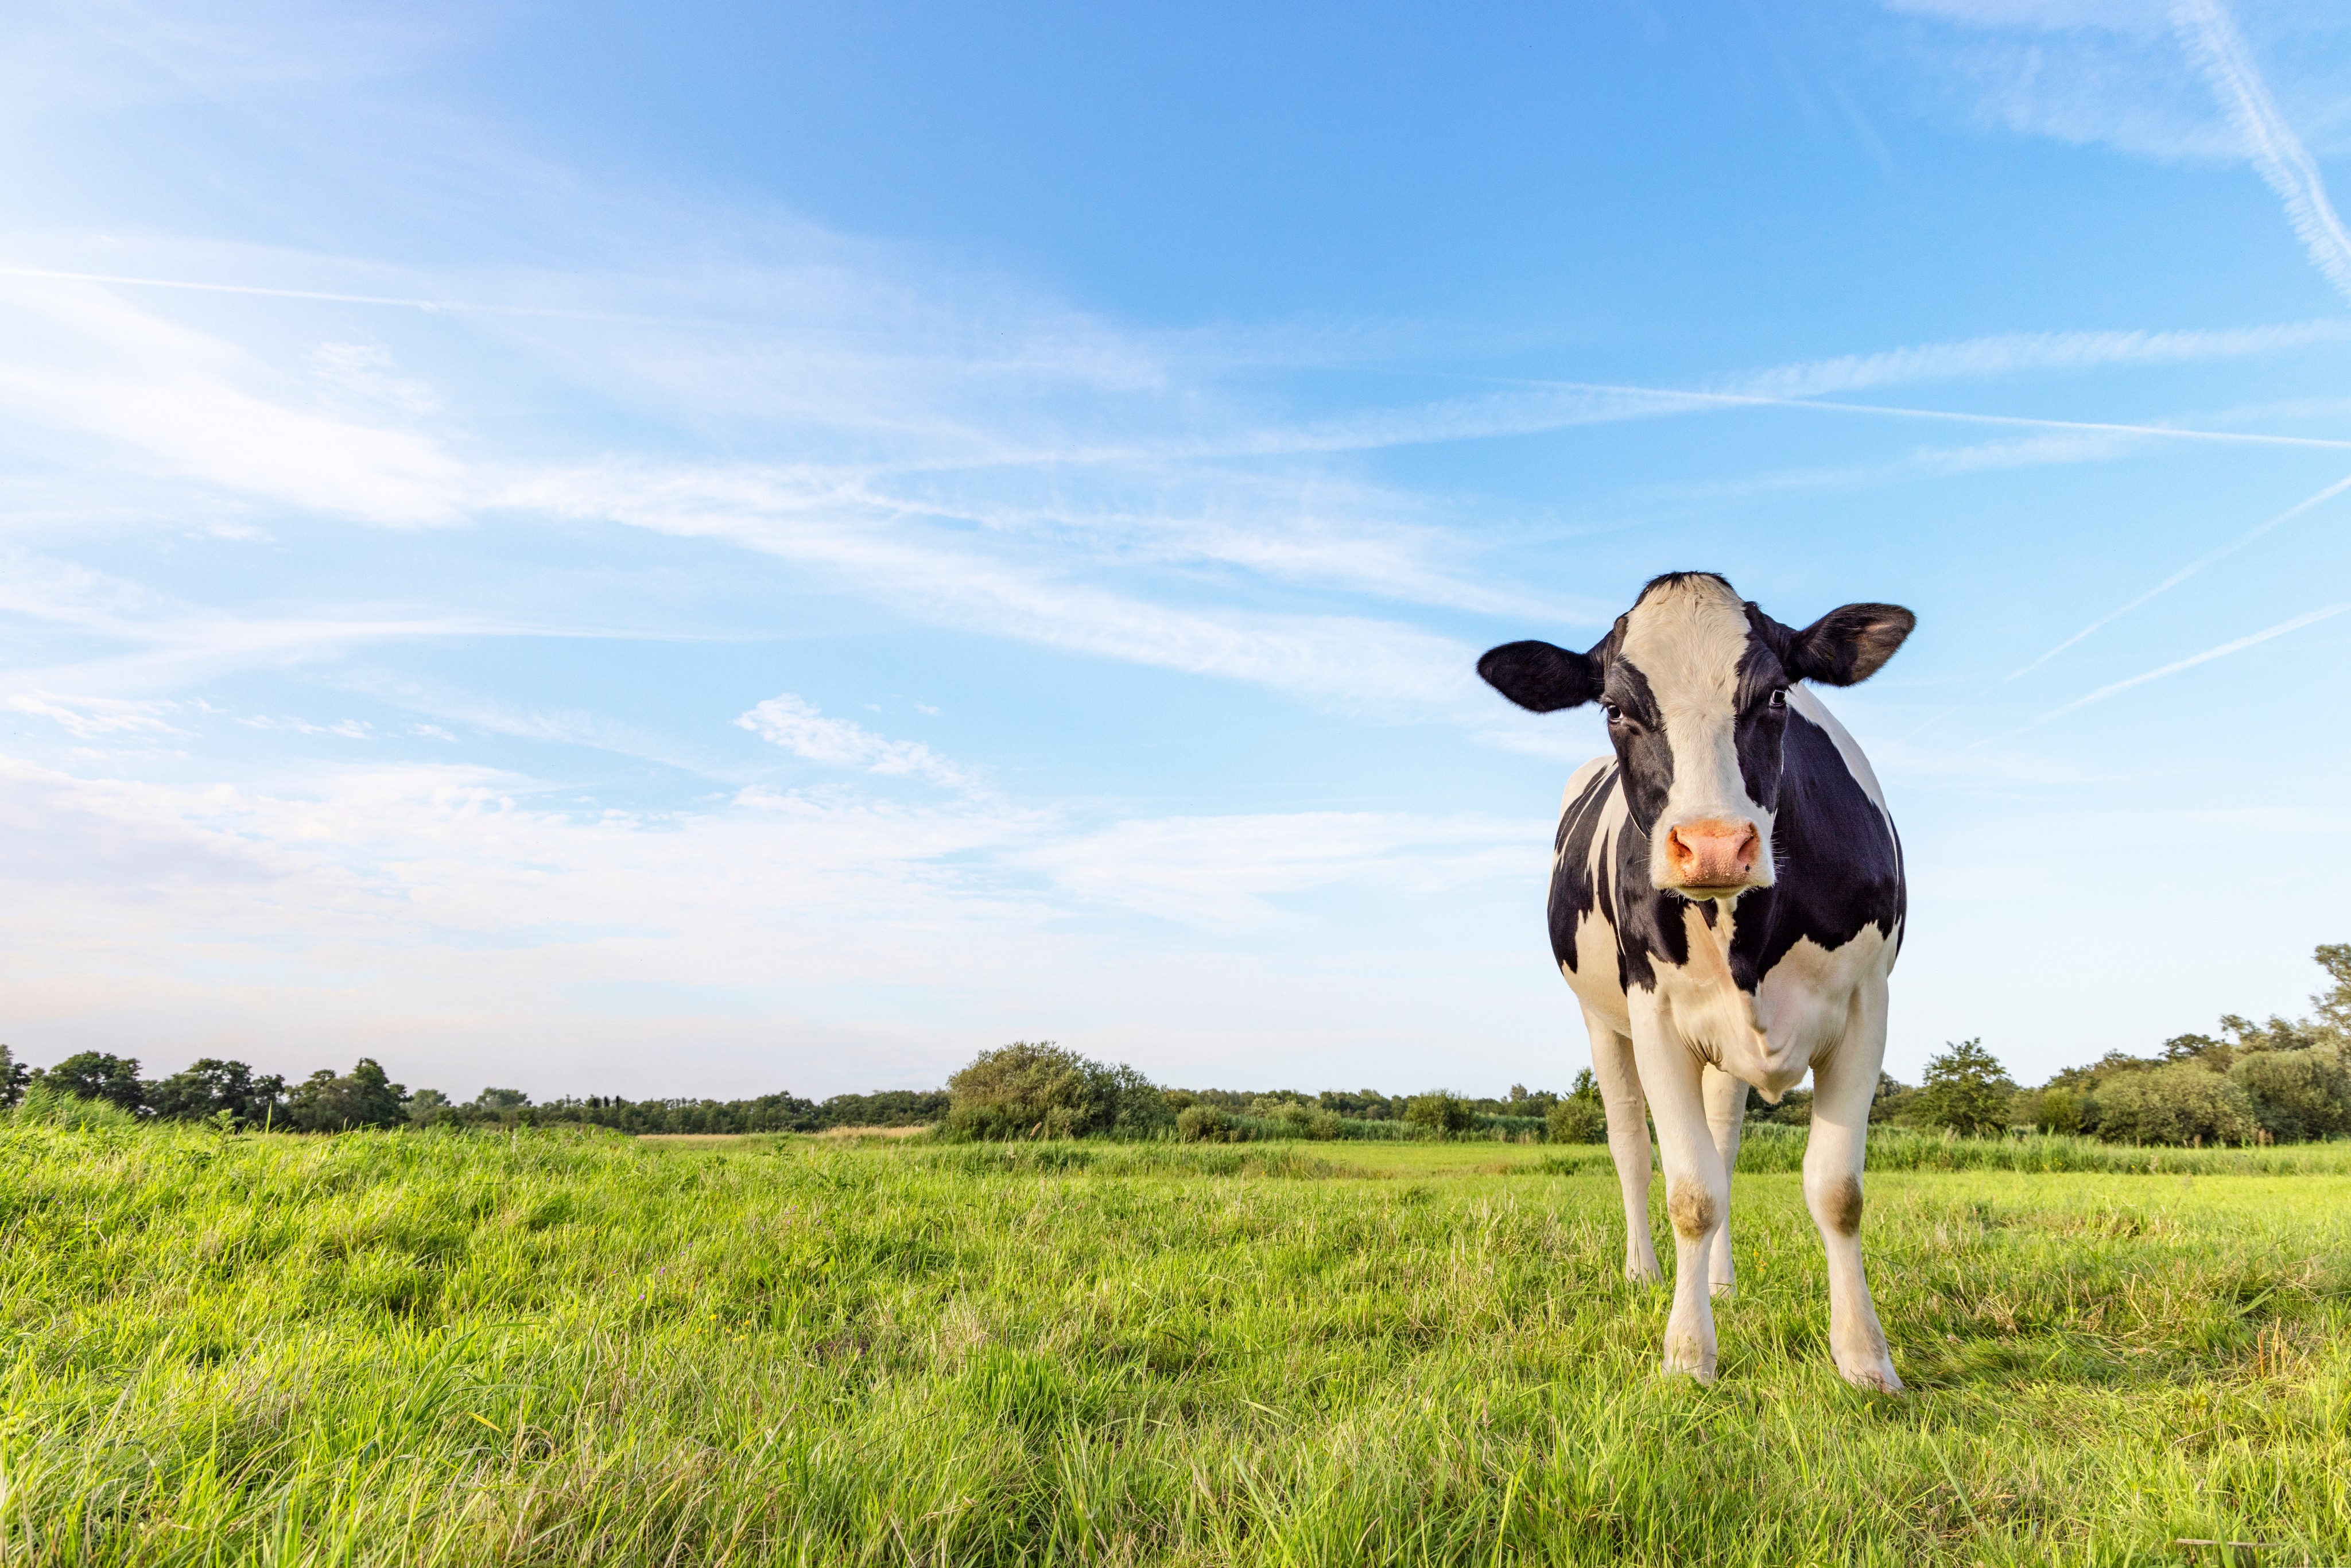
x=1648, y=923
x=1758, y=725
x=1840, y=863
x=1539, y=676
x=1638, y=730
x=1572, y=893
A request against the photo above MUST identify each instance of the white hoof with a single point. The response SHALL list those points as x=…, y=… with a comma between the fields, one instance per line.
x=1638, y=1273
x=1698, y=1369
x=1720, y=1287
x=1872, y=1377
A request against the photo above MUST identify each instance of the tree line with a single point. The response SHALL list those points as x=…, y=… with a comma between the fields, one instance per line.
x=230, y=1094
x=2278, y=1081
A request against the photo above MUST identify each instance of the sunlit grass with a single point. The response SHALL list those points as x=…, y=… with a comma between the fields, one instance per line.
x=558, y=1348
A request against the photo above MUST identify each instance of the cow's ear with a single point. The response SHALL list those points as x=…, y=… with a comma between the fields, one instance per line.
x=1539, y=676
x=1848, y=644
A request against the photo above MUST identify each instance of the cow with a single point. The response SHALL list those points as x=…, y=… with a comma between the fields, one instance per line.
x=1727, y=900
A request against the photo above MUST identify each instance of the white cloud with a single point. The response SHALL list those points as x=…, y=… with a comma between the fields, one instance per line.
x=89, y=717
x=795, y=724
x=81, y=360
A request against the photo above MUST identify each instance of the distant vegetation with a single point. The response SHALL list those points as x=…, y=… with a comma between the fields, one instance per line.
x=2276, y=1082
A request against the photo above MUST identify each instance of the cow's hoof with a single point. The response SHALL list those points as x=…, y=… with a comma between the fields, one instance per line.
x=1720, y=1287
x=1873, y=1376
x=1644, y=1274
x=1688, y=1356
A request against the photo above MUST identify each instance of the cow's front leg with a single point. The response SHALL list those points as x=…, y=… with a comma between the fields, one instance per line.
x=1843, y=1088
x=1628, y=1141
x=1726, y=1112
x=1698, y=1188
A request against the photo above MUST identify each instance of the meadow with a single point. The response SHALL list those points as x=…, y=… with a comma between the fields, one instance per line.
x=574, y=1347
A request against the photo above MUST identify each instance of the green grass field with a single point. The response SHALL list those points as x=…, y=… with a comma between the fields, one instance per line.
x=580, y=1348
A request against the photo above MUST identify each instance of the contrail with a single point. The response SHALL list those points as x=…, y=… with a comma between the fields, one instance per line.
x=2211, y=36
x=2183, y=574
x=2102, y=622
x=2280, y=630
x=428, y=306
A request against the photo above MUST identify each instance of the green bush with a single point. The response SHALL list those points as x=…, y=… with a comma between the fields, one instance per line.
x=1037, y=1090
x=1202, y=1125
x=2055, y=1109
x=2185, y=1103
x=1578, y=1121
x=1438, y=1112
x=2297, y=1095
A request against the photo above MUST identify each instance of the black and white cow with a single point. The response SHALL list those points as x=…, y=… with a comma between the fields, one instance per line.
x=1726, y=903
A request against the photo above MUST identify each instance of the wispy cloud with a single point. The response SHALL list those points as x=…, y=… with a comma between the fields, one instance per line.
x=90, y=717
x=796, y=725
x=2212, y=40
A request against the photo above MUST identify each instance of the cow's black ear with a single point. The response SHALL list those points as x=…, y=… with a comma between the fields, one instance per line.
x=1539, y=676
x=1848, y=644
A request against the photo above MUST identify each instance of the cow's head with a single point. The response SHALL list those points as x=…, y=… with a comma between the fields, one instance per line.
x=1696, y=684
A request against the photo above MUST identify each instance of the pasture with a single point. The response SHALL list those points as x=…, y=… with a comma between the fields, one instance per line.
x=577, y=1348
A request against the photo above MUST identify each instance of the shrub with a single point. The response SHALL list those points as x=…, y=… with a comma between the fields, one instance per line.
x=1324, y=1125
x=1036, y=1089
x=2054, y=1109
x=1202, y=1125
x=1575, y=1120
x=2185, y=1103
x=2297, y=1095
x=1966, y=1091
x=1439, y=1111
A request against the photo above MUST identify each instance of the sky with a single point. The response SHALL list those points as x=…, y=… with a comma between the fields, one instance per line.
x=609, y=549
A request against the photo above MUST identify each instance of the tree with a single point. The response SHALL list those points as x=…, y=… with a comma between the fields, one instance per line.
x=496, y=1100
x=14, y=1075
x=2333, y=1004
x=90, y=1075
x=208, y=1086
x=1966, y=1090
x=363, y=1097
x=1037, y=1089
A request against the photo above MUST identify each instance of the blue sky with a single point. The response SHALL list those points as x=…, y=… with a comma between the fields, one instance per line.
x=607, y=551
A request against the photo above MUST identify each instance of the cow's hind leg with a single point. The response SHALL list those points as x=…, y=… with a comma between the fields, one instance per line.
x=1628, y=1141
x=1698, y=1188
x=1843, y=1088
x=1726, y=1112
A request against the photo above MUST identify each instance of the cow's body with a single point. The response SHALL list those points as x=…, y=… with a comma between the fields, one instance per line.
x=1726, y=902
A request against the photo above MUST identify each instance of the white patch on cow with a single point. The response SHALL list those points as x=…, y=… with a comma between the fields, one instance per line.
x=1687, y=638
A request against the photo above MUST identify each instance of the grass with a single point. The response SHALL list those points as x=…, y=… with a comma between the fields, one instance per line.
x=574, y=1348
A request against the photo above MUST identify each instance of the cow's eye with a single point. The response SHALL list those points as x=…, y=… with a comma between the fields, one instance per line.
x=1779, y=698
x=1614, y=713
